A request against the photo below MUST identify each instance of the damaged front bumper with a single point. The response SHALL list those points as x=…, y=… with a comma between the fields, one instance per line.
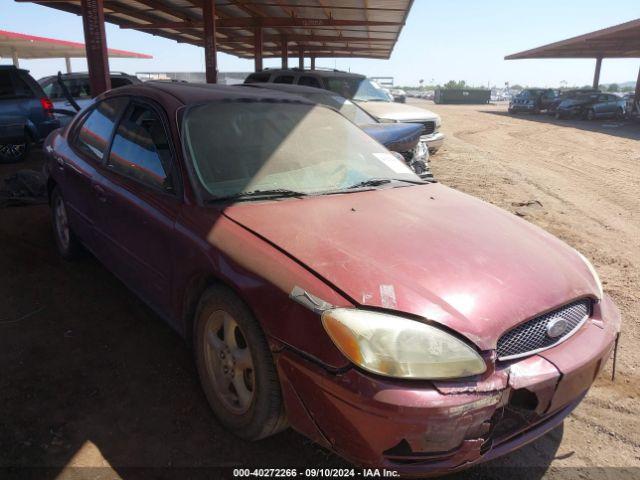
x=419, y=427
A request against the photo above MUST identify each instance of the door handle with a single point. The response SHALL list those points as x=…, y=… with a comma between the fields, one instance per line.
x=100, y=192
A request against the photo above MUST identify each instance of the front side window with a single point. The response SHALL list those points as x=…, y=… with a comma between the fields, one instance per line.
x=96, y=130
x=140, y=149
x=346, y=107
x=308, y=81
x=258, y=78
x=286, y=79
x=369, y=91
x=246, y=147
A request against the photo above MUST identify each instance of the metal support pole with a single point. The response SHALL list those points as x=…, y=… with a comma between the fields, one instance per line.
x=16, y=60
x=285, y=52
x=300, y=57
x=210, y=47
x=67, y=62
x=596, y=75
x=313, y=63
x=96, y=45
x=257, y=48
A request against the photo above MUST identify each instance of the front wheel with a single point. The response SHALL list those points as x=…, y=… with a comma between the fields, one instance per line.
x=591, y=114
x=620, y=114
x=236, y=369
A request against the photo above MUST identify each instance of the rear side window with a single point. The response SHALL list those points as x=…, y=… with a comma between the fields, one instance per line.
x=258, y=78
x=140, y=149
x=97, y=127
x=309, y=81
x=120, y=82
x=13, y=86
x=6, y=85
x=288, y=79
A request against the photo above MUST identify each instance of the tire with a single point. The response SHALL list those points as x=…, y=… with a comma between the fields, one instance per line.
x=235, y=366
x=66, y=242
x=558, y=116
x=590, y=115
x=620, y=114
x=14, y=153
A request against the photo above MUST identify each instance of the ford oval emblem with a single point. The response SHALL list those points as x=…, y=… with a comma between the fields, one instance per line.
x=556, y=327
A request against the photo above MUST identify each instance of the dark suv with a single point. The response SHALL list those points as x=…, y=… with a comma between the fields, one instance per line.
x=533, y=100
x=26, y=114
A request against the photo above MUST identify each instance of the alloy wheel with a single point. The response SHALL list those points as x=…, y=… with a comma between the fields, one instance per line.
x=229, y=362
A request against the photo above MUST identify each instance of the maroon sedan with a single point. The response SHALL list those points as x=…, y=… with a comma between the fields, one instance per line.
x=399, y=323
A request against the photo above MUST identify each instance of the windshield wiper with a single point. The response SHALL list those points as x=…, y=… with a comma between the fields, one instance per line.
x=258, y=195
x=374, y=182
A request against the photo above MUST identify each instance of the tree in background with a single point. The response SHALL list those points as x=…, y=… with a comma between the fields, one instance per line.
x=614, y=87
x=453, y=85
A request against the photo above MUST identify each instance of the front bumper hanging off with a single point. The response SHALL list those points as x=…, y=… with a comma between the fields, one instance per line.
x=422, y=427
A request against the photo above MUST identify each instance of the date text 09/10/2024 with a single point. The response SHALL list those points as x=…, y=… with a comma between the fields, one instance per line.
x=314, y=473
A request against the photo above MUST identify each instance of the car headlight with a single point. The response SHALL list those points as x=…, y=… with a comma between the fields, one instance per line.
x=387, y=120
x=399, y=347
x=596, y=277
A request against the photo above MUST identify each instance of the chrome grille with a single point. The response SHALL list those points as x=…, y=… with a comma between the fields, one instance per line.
x=531, y=336
x=429, y=127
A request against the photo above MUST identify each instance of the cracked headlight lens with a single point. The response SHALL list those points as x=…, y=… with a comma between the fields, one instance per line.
x=398, y=347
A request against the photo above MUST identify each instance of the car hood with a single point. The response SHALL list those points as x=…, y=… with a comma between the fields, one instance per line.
x=426, y=250
x=400, y=112
x=398, y=137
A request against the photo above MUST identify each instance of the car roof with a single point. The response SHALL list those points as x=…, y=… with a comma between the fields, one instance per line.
x=316, y=73
x=192, y=93
x=86, y=75
x=293, y=89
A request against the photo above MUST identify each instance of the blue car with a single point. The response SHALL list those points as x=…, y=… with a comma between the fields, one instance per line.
x=26, y=114
x=403, y=138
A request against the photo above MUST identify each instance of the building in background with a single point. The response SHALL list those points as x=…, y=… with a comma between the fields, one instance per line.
x=224, y=78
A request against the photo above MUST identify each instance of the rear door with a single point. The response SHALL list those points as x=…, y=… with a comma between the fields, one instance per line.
x=140, y=192
x=77, y=168
x=17, y=105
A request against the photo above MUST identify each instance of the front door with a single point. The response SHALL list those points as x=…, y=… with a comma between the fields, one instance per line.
x=140, y=202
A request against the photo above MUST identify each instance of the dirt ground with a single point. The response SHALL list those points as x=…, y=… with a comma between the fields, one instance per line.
x=94, y=385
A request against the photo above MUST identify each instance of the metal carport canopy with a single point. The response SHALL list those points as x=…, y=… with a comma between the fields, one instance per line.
x=245, y=28
x=619, y=41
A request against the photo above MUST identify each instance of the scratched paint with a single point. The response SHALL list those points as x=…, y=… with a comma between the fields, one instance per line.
x=388, y=296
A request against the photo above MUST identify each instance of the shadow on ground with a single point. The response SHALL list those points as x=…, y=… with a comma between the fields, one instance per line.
x=92, y=378
x=620, y=128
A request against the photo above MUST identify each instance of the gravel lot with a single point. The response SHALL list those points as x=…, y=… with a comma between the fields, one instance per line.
x=91, y=378
x=580, y=181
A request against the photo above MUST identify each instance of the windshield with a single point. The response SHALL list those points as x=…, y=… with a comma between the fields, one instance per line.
x=346, y=107
x=240, y=147
x=359, y=89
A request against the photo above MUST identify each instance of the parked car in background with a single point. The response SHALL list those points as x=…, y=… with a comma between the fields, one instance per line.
x=567, y=94
x=366, y=93
x=26, y=114
x=325, y=286
x=403, y=138
x=399, y=95
x=532, y=100
x=79, y=87
x=593, y=105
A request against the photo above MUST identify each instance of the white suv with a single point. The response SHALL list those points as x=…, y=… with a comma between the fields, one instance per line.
x=366, y=93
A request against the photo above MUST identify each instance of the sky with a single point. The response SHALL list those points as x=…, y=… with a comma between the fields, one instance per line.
x=442, y=40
